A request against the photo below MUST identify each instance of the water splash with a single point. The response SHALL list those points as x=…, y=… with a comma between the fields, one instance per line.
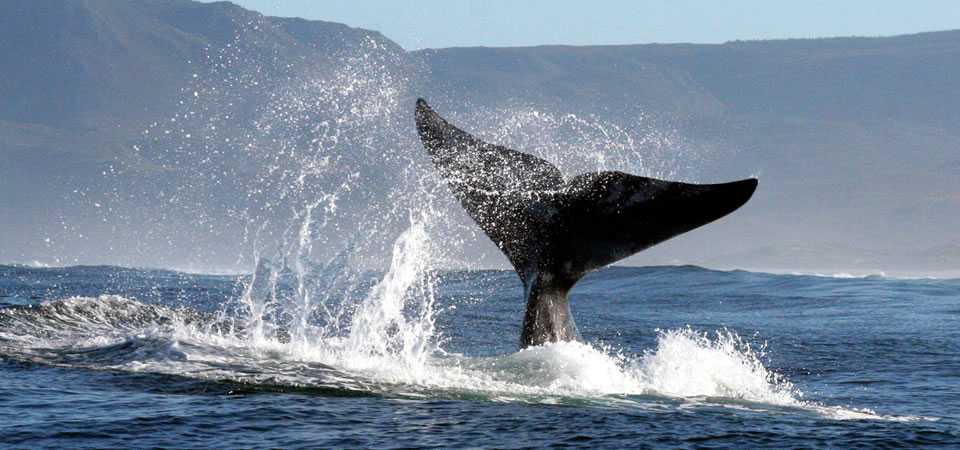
x=693, y=368
x=331, y=178
x=398, y=316
x=688, y=363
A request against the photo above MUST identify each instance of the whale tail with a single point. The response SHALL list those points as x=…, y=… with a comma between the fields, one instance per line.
x=555, y=231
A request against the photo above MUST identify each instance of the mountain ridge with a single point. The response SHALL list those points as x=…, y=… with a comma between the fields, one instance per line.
x=841, y=130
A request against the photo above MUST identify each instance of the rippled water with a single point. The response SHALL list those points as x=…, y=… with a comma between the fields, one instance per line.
x=674, y=357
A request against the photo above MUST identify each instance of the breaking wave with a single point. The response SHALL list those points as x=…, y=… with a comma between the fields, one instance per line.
x=686, y=367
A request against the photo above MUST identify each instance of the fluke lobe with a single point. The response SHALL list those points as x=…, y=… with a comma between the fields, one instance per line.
x=554, y=231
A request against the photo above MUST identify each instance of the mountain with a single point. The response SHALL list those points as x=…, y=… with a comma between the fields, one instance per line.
x=175, y=133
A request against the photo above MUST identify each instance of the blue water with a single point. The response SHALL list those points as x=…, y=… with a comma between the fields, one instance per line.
x=674, y=357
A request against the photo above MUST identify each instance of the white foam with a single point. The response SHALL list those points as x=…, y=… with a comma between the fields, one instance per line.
x=685, y=364
x=688, y=366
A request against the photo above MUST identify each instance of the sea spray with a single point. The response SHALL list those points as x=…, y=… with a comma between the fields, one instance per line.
x=397, y=318
x=687, y=363
x=259, y=295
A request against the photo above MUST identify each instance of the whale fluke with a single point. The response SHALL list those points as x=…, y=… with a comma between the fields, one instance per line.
x=555, y=231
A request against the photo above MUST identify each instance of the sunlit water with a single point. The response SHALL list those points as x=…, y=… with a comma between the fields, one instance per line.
x=673, y=356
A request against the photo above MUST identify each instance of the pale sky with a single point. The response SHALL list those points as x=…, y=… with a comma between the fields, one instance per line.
x=435, y=23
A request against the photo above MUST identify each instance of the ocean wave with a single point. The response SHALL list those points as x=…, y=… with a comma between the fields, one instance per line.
x=116, y=333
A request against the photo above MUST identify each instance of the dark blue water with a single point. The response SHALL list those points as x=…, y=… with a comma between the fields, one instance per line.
x=676, y=357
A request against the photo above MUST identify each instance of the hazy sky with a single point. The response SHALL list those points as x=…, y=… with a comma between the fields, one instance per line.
x=435, y=23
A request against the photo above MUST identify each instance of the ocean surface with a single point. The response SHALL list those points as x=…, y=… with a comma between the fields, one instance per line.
x=673, y=357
